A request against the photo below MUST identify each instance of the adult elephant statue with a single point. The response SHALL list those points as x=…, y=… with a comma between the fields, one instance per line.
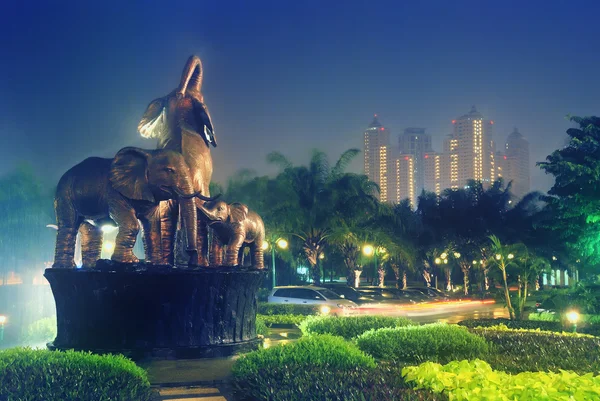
x=122, y=190
x=235, y=226
x=181, y=122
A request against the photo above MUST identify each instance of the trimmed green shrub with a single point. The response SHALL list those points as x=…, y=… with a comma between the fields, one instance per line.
x=513, y=324
x=544, y=317
x=31, y=375
x=40, y=331
x=475, y=380
x=287, y=309
x=261, y=373
x=261, y=327
x=520, y=351
x=349, y=326
x=431, y=342
x=288, y=319
x=294, y=382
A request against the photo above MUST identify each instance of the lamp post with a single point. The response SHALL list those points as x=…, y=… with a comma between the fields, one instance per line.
x=282, y=244
x=2, y=321
x=573, y=318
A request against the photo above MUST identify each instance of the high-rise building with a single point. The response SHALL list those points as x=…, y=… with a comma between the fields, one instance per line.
x=432, y=172
x=517, y=163
x=417, y=143
x=470, y=150
x=377, y=156
x=403, y=176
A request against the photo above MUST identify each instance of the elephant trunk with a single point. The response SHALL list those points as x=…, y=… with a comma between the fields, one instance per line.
x=191, y=76
x=189, y=219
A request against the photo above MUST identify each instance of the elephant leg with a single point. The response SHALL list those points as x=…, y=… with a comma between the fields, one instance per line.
x=241, y=256
x=91, y=244
x=68, y=223
x=233, y=248
x=153, y=251
x=258, y=259
x=166, y=231
x=216, y=250
x=129, y=228
x=202, y=243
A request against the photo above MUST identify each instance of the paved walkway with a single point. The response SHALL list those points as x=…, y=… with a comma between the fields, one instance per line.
x=192, y=394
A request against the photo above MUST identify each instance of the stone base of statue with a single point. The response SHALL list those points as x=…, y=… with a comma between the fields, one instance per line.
x=146, y=311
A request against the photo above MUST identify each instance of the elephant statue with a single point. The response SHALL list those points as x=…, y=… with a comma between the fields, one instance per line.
x=181, y=122
x=121, y=191
x=235, y=226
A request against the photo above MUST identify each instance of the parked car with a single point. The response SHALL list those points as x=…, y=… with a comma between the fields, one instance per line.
x=433, y=293
x=347, y=292
x=311, y=295
x=390, y=295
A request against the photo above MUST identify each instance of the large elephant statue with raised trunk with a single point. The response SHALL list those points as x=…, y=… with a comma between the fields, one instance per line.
x=235, y=227
x=181, y=122
x=122, y=190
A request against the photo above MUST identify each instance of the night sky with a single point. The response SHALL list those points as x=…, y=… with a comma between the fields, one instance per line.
x=76, y=76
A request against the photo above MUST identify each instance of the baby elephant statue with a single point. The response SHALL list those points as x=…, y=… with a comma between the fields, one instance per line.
x=235, y=226
x=122, y=190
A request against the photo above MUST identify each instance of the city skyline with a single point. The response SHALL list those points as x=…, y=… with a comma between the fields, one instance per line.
x=470, y=152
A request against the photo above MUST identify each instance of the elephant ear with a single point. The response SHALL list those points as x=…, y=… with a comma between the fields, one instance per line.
x=154, y=120
x=203, y=122
x=238, y=212
x=129, y=174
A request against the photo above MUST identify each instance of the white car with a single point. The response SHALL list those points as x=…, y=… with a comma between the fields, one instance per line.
x=311, y=295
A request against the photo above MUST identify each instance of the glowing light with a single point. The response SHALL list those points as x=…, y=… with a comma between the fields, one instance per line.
x=446, y=261
x=283, y=244
x=381, y=129
x=510, y=256
x=381, y=250
x=264, y=246
x=2, y=319
x=504, y=157
x=368, y=250
x=481, y=262
x=444, y=255
x=453, y=121
x=405, y=157
x=573, y=317
x=108, y=246
x=108, y=228
x=322, y=256
x=554, y=258
x=438, y=261
x=498, y=257
x=474, y=262
x=427, y=156
x=325, y=309
x=491, y=122
x=456, y=255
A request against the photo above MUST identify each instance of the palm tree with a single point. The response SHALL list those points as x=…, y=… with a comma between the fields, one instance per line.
x=502, y=257
x=312, y=194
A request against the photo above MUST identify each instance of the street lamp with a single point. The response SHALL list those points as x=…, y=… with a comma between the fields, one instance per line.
x=2, y=321
x=282, y=244
x=573, y=318
x=368, y=250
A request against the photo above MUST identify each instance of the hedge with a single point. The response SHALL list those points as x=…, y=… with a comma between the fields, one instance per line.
x=431, y=342
x=475, y=380
x=32, y=375
x=272, y=372
x=287, y=309
x=349, y=326
x=520, y=351
x=287, y=319
x=513, y=324
x=261, y=327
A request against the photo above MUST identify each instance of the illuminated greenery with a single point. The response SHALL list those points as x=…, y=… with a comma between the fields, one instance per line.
x=575, y=196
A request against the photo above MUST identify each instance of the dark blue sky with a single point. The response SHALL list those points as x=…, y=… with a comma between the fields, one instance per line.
x=76, y=76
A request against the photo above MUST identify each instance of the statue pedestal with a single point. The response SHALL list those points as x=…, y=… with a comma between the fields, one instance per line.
x=156, y=311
